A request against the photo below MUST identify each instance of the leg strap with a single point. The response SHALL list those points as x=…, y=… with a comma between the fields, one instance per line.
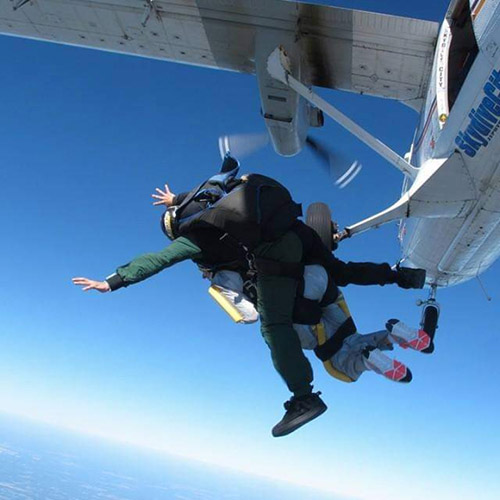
x=334, y=343
x=306, y=311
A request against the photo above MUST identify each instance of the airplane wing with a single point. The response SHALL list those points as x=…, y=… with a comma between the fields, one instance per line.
x=345, y=49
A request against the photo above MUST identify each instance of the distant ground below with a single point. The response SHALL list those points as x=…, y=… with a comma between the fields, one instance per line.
x=39, y=462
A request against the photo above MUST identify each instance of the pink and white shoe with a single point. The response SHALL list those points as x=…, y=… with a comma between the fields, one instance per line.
x=407, y=337
x=392, y=369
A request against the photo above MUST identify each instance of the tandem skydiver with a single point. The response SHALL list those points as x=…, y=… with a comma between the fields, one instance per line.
x=321, y=316
x=233, y=221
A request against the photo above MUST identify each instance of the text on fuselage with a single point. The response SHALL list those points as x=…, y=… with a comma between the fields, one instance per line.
x=484, y=121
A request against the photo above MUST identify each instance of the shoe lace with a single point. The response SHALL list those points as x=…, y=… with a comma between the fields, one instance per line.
x=300, y=402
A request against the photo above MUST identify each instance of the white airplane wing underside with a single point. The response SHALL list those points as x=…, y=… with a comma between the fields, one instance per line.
x=343, y=49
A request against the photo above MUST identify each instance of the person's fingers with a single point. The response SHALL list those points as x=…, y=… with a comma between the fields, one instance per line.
x=158, y=203
x=167, y=190
x=100, y=286
x=80, y=281
x=157, y=196
x=85, y=282
x=160, y=191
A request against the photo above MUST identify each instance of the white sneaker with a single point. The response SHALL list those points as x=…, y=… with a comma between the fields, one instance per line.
x=406, y=336
x=392, y=369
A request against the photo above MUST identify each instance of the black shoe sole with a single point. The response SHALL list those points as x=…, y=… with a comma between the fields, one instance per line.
x=284, y=430
x=408, y=378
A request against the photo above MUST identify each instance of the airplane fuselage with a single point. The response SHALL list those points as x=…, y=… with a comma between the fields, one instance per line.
x=461, y=113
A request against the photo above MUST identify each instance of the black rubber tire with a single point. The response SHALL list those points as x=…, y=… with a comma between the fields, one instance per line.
x=431, y=316
x=319, y=217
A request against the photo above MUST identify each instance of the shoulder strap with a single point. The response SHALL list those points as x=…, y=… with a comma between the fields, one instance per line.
x=190, y=196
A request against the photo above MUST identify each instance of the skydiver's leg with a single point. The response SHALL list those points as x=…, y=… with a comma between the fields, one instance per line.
x=360, y=353
x=276, y=297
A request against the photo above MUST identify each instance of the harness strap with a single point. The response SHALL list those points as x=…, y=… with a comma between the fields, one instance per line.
x=333, y=344
x=190, y=197
x=306, y=311
x=319, y=329
x=301, y=287
x=245, y=254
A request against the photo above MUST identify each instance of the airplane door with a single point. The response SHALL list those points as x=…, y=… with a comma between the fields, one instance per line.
x=485, y=15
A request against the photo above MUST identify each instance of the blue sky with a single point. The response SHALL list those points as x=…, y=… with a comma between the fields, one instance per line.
x=85, y=137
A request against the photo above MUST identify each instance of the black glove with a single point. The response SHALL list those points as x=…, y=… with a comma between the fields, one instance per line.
x=407, y=277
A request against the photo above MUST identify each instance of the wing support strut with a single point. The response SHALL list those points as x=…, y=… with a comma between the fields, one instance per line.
x=278, y=66
x=425, y=197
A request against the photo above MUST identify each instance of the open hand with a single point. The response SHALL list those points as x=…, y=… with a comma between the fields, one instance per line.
x=164, y=197
x=100, y=286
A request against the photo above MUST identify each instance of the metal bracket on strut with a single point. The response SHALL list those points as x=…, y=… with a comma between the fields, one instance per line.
x=429, y=320
x=430, y=302
x=431, y=299
x=150, y=8
x=20, y=3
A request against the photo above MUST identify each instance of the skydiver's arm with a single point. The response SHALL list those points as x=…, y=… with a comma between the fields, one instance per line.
x=149, y=264
x=368, y=273
x=362, y=273
x=358, y=273
x=144, y=266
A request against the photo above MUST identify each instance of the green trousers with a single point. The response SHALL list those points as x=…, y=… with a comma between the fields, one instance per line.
x=276, y=296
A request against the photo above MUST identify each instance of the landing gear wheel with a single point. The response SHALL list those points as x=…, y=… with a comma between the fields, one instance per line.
x=429, y=324
x=319, y=217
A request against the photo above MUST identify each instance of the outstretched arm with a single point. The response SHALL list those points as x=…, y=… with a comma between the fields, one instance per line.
x=362, y=273
x=357, y=273
x=143, y=266
x=368, y=273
